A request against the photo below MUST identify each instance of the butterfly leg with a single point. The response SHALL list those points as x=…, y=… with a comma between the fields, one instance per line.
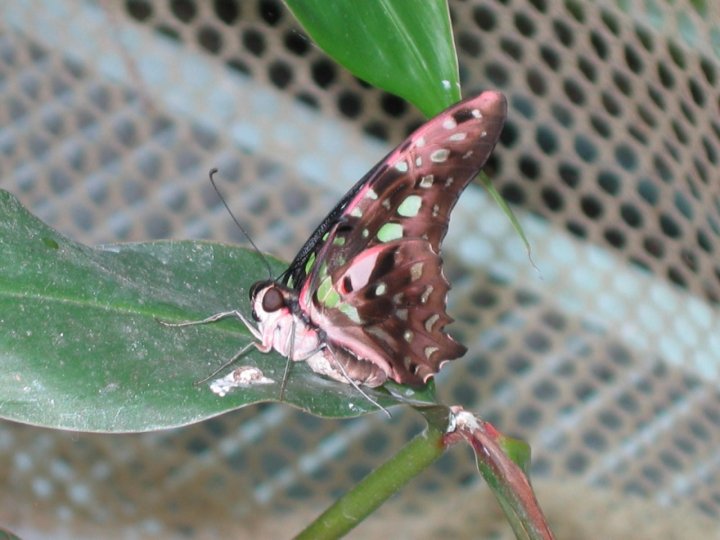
x=217, y=317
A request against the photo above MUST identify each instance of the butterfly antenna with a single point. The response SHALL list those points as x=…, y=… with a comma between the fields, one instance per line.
x=242, y=229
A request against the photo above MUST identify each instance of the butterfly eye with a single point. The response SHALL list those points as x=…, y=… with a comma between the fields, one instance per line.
x=273, y=300
x=255, y=288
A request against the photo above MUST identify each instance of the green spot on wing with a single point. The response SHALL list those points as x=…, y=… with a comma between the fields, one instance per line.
x=326, y=295
x=351, y=312
x=390, y=232
x=310, y=263
x=410, y=206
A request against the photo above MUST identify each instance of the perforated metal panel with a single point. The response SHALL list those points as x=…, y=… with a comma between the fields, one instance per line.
x=606, y=359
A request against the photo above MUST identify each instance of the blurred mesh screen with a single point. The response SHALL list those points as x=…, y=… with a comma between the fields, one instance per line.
x=605, y=359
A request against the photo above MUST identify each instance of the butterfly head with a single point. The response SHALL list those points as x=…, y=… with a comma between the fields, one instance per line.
x=267, y=297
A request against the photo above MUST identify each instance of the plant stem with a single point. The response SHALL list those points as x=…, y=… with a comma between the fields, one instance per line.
x=378, y=486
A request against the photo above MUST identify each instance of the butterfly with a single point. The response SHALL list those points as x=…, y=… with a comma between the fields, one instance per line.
x=364, y=300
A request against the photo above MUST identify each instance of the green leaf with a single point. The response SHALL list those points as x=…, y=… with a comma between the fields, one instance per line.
x=397, y=45
x=81, y=347
x=505, y=208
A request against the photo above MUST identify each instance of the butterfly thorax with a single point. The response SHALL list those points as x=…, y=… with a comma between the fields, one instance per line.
x=282, y=325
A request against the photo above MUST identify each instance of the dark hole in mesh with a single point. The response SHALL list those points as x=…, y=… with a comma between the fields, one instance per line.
x=59, y=181
x=480, y=367
x=626, y=157
x=710, y=151
x=536, y=82
x=512, y=193
x=576, y=228
x=591, y=207
x=656, y=96
x=662, y=169
x=524, y=24
x=523, y=106
x=132, y=191
x=670, y=460
x=280, y=74
x=529, y=417
x=631, y=215
x=645, y=37
x=569, y=174
x=239, y=66
x=611, y=420
x=610, y=104
x=652, y=474
x=552, y=199
x=465, y=393
x=297, y=43
x=393, y=105
x=157, y=226
x=609, y=182
x=139, y=9
x=323, y=73
x=469, y=44
x=210, y=39
x=684, y=444
x=600, y=126
x=574, y=92
x=270, y=11
x=669, y=226
x=512, y=48
x=638, y=135
x=599, y=45
x=615, y=237
x=186, y=160
x=587, y=68
x=308, y=99
x=654, y=247
x=54, y=123
x=703, y=241
x=518, y=363
x=677, y=55
x=546, y=391
x=697, y=93
x=550, y=57
x=708, y=69
x=350, y=104
x=540, y=5
x=683, y=205
x=563, y=116
x=529, y=167
x=254, y=41
x=484, y=18
x=676, y=275
x=622, y=83
x=377, y=130
x=563, y=33
x=595, y=440
x=175, y=199
x=546, y=140
x=497, y=74
x=680, y=134
x=610, y=22
x=509, y=136
x=585, y=149
x=168, y=32
x=125, y=132
x=687, y=112
x=226, y=10
x=633, y=60
x=648, y=191
x=576, y=462
x=646, y=116
x=184, y=10
x=149, y=164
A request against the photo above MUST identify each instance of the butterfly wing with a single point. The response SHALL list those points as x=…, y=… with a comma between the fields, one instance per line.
x=370, y=276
